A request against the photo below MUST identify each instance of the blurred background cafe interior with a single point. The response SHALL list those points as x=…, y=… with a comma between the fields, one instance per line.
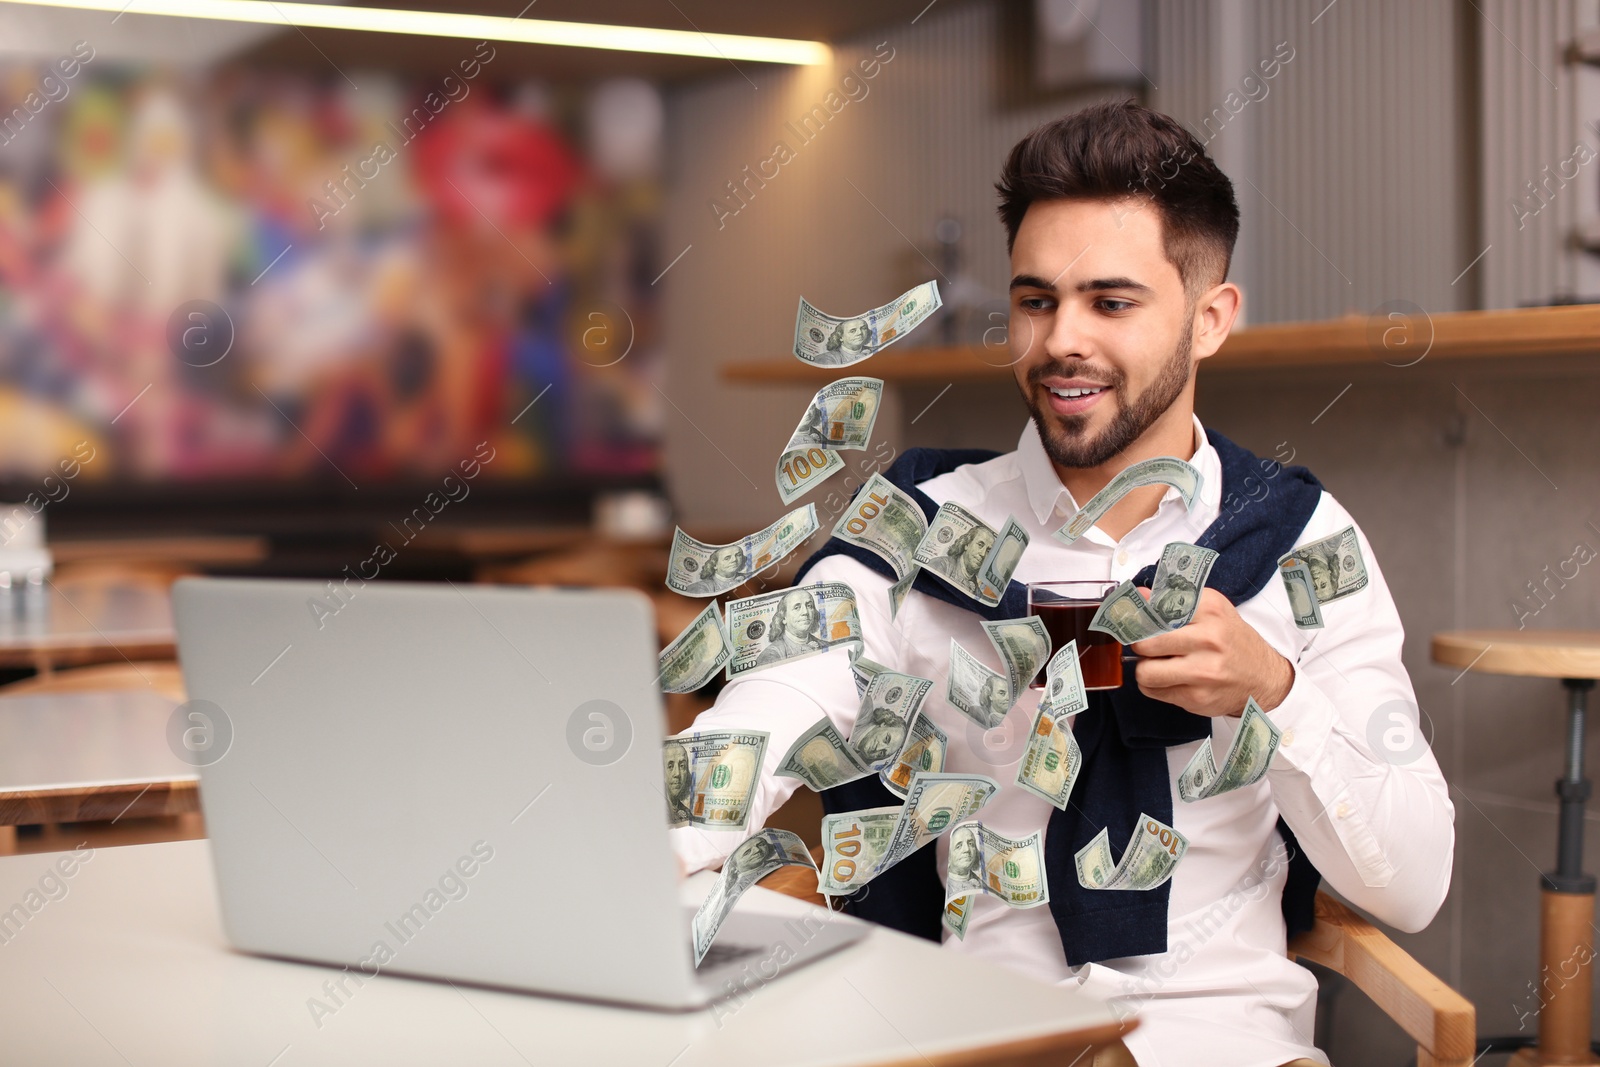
x=366, y=300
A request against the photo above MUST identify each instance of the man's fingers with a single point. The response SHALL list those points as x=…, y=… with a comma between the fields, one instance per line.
x=1158, y=674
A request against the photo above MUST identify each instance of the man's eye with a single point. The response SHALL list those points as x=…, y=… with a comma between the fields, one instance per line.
x=1123, y=305
x=1035, y=303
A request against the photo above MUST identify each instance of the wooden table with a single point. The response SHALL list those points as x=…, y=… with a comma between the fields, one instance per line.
x=65, y=624
x=1566, y=918
x=131, y=966
x=94, y=755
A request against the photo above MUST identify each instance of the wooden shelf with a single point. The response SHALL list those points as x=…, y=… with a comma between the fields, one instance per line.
x=1355, y=340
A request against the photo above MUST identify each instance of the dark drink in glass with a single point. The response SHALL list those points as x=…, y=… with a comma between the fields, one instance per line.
x=1066, y=609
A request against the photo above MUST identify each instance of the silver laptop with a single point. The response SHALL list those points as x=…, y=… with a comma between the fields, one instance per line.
x=456, y=782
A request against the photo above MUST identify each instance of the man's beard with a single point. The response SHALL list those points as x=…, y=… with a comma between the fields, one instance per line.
x=1062, y=436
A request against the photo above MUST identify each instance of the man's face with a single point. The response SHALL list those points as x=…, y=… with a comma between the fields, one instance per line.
x=677, y=770
x=726, y=562
x=799, y=614
x=1321, y=579
x=853, y=335
x=994, y=693
x=880, y=743
x=963, y=851
x=977, y=550
x=1100, y=327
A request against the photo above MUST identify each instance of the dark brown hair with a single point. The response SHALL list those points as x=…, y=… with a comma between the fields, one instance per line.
x=1120, y=149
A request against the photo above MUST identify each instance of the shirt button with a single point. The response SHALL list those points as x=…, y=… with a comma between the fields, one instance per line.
x=1287, y=738
x=1122, y=558
x=1342, y=810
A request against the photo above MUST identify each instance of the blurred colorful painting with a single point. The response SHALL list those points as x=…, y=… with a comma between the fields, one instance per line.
x=270, y=276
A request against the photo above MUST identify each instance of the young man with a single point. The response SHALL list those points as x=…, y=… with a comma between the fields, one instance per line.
x=1121, y=230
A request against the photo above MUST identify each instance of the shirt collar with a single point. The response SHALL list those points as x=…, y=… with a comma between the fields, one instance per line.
x=1046, y=493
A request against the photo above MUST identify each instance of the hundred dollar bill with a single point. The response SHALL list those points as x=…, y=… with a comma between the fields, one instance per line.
x=1247, y=759
x=1168, y=469
x=1179, y=577
x=840, y=416
x=1125, y=615
x=1064, y=694
x=956, y=914
x=983, y=861
x=1024, y=645
x=981, y=694
x=852, y=844
x=1149, y=859
x=788, y=624
x=996, y=572
x=1296, y=574
x=696, y=654
x=699, y=569
x=824, y=340
x=923, y=753
x=711, y=777
x=934, y=803
x=883, y=724
x=898, y=591
x=756, y=857
x=1050, y=763
x=884, y=520
x=822, y=758
x=863, y=670
x=802, y=469
x=962, y=549
x=1335, y=563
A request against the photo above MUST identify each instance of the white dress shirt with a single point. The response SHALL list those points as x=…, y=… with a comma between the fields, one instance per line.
x=1380, y=830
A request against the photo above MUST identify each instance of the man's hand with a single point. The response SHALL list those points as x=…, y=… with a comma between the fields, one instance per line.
x=1209, y=666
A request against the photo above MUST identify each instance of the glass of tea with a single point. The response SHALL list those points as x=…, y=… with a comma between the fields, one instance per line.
x=1066, y=608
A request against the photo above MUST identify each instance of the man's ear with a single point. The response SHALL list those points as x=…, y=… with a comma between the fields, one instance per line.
x=1215, y=312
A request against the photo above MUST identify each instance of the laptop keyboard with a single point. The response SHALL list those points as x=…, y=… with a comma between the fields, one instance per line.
x=719, y=953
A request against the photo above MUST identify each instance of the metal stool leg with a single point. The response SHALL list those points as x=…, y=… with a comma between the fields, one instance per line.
x=1566, y=942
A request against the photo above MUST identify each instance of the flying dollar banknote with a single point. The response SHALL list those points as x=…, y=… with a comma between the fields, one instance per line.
x=1297, y=583
x=824, y=340
x=956, y=914
x=984, y=861
x=884, y=520
x=995, y=574
x=1023, y=645
x=1247, y=760
x=979, y=693
x=883, y=724
x=1336, y=565
x=756, y=857
x=699, y=569
x=1050, y=764
x=1125, y=615
x=822, y=758
x=1064, y=694
x=1149, y=859
x=789, y=624
x=962, y=549
x=1166, y=469
x=801, y=470
x=934, y=803
x=839, y=417
x=863, y=670
x=696, y=654
x=711, y=777
x=852, y=844
x=923, y=753
x=1175, y=588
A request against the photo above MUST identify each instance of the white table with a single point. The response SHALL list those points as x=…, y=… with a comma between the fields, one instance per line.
x=130, y=966
x=67, y=623
x=90, y=754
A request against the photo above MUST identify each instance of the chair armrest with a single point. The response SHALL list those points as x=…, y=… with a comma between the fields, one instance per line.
x=797, y=882
x=1438, y=1018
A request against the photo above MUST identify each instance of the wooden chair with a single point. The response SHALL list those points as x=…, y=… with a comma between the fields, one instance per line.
x=1440, y=1020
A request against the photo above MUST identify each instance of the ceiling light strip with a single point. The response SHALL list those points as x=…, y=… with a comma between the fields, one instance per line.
x=476, y=27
